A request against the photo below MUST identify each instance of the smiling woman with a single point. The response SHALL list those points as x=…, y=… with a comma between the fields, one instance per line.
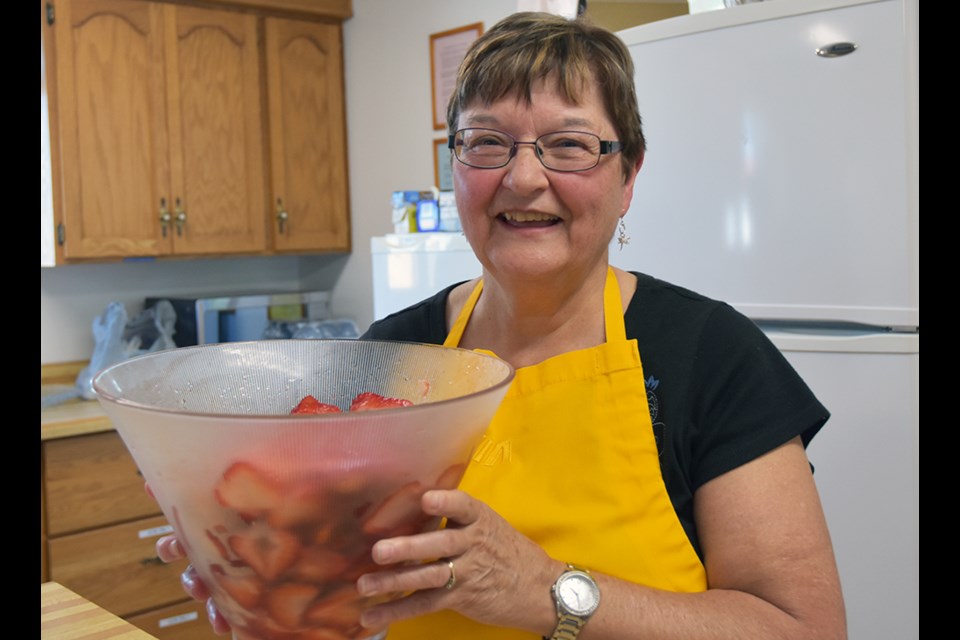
x=672, y=494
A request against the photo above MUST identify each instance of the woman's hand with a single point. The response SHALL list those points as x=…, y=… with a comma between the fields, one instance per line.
x=169, y=550
x=498, y=577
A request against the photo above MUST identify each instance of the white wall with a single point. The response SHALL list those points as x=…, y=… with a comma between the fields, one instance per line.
x=390, y=128
x=387, y=66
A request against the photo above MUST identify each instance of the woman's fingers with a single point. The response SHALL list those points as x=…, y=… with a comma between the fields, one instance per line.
x=478, y=565
x=169, y=549
x=411, y=578
x=416, y=604
x=456, y=506
x=217, y=621
x=193, y=585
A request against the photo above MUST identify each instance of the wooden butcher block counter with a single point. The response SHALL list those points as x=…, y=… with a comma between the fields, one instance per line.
x=98, y=527
x=64, y=615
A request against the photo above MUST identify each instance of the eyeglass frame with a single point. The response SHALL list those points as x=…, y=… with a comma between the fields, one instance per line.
x=606, y=147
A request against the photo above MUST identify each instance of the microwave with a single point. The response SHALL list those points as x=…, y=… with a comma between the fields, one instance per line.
x=239, y=318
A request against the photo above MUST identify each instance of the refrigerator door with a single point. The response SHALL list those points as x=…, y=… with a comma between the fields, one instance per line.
x=867, y=469
x=776, y=179
x=408, y=268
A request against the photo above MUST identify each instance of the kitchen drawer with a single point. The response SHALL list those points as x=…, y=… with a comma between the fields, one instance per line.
x=117, y=567
x=92, y=481
x=182, y=621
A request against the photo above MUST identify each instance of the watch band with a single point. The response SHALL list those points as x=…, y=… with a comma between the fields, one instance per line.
x=568, y=627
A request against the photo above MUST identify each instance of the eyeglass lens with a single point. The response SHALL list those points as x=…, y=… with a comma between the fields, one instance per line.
x=561, y=150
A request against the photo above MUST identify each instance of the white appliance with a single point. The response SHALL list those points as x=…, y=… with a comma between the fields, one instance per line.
x=782, y=176
x=408, y=268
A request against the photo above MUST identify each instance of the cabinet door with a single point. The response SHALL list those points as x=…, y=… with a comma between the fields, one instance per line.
x=92, y=481
x=112, y=127
x=307, y=136
x=784, y=170
x=117, y=567
x=213, y=97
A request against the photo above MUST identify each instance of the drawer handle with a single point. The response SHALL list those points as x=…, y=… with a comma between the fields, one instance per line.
x=155, y=560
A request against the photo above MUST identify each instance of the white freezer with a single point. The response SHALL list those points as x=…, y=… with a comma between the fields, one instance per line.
x=867, y=468
x=408, y=268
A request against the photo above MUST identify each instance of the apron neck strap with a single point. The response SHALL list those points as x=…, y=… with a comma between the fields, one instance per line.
x=612, y=312
x=456, y=331
x=613, y=309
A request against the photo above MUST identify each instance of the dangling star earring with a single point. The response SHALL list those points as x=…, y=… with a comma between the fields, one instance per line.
x=622, y=236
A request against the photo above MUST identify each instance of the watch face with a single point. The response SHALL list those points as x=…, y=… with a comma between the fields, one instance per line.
x=578, y=593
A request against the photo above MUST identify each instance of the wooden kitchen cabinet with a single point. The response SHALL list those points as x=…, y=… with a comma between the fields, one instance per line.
x=92, y=481
x=109, y=99
x=182, y=621
x=216, y=135
x=160, y=129
x=98, y=534
x=307, y=135
x=159, y=112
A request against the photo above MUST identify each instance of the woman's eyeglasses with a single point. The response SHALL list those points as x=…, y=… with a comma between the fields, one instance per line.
x=558, y=151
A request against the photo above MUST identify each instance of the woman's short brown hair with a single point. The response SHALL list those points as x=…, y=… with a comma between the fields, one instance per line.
x=528, y=47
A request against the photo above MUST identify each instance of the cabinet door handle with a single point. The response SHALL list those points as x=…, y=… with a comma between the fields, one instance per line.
x=181, y=217
x=282, y=215
x=164, y=216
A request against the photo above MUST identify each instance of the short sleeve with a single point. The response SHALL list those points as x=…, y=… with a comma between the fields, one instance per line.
x=747, y=398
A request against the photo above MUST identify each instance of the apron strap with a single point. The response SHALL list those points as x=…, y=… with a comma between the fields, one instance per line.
x=612, y=312
x=460, y=325
x=613, y=309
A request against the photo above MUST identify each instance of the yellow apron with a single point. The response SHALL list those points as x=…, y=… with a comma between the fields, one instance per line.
x=575, y=433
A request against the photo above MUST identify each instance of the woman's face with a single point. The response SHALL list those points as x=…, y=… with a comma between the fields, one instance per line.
x=526, y=221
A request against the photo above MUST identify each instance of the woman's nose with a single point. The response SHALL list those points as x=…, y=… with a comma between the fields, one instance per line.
x=525, y=172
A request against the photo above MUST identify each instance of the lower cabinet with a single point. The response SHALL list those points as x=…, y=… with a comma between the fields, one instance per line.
x=98, y=534
x=181, y=621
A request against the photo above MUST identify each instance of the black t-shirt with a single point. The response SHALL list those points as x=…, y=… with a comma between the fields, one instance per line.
x=720, y=393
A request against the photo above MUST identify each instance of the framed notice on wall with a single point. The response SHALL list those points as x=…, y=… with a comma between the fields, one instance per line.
x=447, y=49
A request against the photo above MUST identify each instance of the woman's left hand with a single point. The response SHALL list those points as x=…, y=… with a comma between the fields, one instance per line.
x=498, y=575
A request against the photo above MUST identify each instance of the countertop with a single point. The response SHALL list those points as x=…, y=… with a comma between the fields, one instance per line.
x=71, y=418
x=64, y=615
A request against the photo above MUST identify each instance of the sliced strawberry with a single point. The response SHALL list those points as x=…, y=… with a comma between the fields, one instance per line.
x=246, y=490
x=287, y=602
x=299, y=505
x=309, y=404
x=218, y=543
x=245, y=589
x=341, y=609
x=269, y=552
x=320, y=565
x=370, y=401
x=399, y=513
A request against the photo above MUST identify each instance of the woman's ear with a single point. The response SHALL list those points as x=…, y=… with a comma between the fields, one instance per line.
x=628, y=182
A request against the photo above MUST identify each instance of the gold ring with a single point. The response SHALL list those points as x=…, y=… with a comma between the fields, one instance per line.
x=453, y=576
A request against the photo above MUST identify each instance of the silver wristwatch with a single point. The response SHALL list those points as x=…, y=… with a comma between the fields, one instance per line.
x=577, y=596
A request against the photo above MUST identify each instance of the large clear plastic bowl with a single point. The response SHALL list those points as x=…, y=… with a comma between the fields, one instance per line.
x=278, y=512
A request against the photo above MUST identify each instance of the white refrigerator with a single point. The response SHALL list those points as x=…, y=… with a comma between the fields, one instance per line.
x=782, y=176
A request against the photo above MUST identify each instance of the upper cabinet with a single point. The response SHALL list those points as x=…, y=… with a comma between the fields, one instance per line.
x=307, y=135
x=173, y=140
